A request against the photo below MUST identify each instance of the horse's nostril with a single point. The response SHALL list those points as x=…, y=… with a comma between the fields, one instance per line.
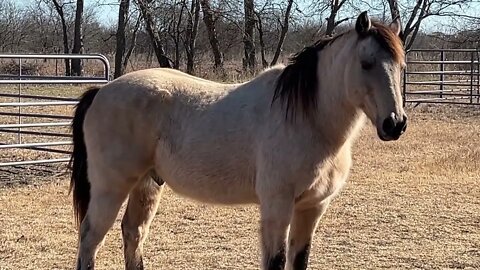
x=388, y=125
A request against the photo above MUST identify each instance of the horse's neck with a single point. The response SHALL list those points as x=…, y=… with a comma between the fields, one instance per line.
x=338, y=121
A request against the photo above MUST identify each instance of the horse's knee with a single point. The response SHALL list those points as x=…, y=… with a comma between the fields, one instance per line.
x=302, y=230
x=274, y=243
x=275, y=219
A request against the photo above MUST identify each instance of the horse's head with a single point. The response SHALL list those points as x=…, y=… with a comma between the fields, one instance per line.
x=375, y=68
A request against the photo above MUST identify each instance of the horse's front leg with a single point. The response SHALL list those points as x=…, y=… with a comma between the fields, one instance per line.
x=304, y=222
x=275, y=212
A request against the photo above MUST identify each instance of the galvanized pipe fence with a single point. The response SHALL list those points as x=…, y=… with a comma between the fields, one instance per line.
x=37, y=124
x=445, y=76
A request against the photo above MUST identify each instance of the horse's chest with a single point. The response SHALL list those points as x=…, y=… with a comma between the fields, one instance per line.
x=329, y=181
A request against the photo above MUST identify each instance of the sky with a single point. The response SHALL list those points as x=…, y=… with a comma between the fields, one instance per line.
x=108, y=12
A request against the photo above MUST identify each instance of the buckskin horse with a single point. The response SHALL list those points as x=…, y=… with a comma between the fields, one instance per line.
x=281, y=140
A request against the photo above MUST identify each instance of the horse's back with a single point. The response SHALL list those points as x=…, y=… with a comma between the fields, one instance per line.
x=149, y=97
x=172, y=80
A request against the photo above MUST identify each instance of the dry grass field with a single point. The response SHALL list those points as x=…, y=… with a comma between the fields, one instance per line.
x=410, y=204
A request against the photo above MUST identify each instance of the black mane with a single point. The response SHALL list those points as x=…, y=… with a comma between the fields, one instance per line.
x=297, y=85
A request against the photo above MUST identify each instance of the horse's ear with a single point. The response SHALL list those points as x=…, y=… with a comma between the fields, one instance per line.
x=363, y=24
x=396, y=26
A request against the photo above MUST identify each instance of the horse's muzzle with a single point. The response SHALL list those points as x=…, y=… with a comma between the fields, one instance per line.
x=393, y=128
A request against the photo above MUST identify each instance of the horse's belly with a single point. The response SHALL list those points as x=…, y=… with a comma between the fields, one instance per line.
x=211, y=189
x=207, y=179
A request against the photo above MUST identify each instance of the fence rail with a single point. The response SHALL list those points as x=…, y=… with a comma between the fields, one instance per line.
x=448, y=76
x=16, y=121
x=432, y=76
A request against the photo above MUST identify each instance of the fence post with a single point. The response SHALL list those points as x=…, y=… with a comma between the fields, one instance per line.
x=478, y=76
x=472, y=66
x=405, y=80
x=19, y=135
x=442, y=71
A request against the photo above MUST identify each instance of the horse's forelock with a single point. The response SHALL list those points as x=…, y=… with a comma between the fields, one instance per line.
x=388, y=40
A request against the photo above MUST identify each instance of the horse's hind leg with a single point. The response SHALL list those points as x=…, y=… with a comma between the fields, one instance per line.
x=107, y=196
x=142, y=205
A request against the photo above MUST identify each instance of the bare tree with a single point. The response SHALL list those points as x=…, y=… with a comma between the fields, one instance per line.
x=77, y=67
x=120, y=37
x=59, y=7
x=249, y=62
x=10, y=24
x=191, y=34
x=283, y=32
x=421, y=10
x=394, y=10
x=173, y=27
x=332, y=22
x=133, y=43
x=175, y=30
x=209, y=20
x=146, y=11
x=261, y=39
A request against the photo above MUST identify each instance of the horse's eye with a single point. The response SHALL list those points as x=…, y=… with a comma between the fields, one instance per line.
x=366, y=65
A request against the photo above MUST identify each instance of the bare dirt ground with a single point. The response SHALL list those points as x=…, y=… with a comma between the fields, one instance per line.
x=411, y=204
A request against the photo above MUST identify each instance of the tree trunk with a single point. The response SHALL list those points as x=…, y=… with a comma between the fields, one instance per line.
x=133, y=42
x=248, y=37
x=209, y=20
x=66, y=49
x=77, y=67
x=395, y=12
x=330, y=24
x=418, y=13
x=411, y=29
x=331, y=20
x=283, y=33
x=191, y=35
x=163, y=60
x=177, y=35
x=120, y=36
x=176, y=63
x=261, y=40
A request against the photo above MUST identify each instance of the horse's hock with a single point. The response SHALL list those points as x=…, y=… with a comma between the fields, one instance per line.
x=36, y=106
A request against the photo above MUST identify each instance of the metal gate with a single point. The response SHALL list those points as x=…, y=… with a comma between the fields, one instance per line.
x=448, y=76
x=34, y=116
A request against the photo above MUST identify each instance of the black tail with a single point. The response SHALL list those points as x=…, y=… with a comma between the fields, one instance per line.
x=78, y=162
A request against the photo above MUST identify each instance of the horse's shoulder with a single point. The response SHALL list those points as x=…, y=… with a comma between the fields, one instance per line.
x=343, y=159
